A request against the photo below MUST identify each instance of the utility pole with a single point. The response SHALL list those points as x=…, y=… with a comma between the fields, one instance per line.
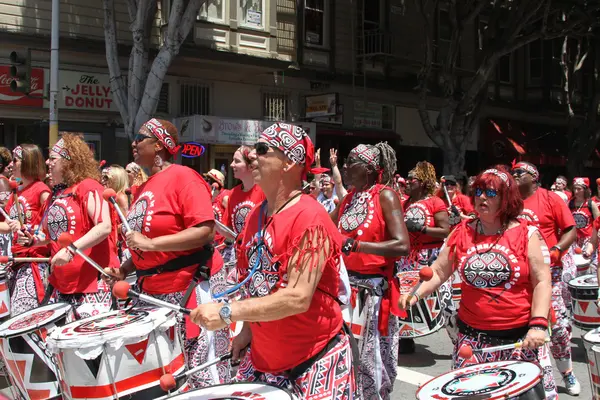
x=53, y=107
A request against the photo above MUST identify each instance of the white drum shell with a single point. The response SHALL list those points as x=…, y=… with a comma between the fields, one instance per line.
x=584, y=294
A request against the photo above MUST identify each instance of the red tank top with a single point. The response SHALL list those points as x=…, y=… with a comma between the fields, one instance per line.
x=239, y=206
x=361, y=218
x=280, y=345
x=583, y=218
x=32, y=209
x=424, y=211
x=496, y=289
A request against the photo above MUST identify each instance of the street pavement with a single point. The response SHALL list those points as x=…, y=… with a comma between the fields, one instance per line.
x=433, y=357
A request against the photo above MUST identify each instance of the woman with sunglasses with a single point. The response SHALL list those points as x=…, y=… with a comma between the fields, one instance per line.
x=426, y=218
x=26, y=280
x=506, y=283
x=370, y=219
x=172, y=228
x=460, y=206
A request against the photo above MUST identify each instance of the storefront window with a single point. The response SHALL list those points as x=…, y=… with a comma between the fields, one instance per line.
x=252, y=13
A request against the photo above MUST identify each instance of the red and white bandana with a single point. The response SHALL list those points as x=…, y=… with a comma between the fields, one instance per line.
x=18, y=152
x=582, y=182
x=293, y=141
x=367, y=154
x=326, y=180
x=499, y=174
x=161, y=134
x=527, y=167
x=61, y=149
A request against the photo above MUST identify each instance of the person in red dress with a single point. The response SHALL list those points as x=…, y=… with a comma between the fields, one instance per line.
x=172, y=228
x=26, y=281
x=506, y=283
x=547, y=211
x=371, y=220
x=426, y=219
x=76, y=207
x=289, y=263
x=584, y=211
x=460, y=207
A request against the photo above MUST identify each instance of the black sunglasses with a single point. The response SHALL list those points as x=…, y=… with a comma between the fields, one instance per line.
x=519, y=172
x=261, y=148
x=139, y=137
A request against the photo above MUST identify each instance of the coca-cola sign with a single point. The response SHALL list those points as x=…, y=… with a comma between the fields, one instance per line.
x=84, y=91
x=34, y=99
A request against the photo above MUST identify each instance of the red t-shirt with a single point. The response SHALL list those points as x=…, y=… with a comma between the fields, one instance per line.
x=596, y=200
x=239, y=206
x=68, y=213
x=583, y=219
x=361, y=218
x=32, y=209
x=424, y=211
x=167, y=203
x=283, y=344
x=217, y=204
x=549, y=213
x=496, y=288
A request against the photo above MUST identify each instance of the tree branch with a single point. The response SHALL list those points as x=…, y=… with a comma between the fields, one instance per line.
x=132, y=9
x=565, y=70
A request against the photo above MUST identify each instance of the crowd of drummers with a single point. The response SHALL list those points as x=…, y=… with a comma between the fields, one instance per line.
x=273, y=268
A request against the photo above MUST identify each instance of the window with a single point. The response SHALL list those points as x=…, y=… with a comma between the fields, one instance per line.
x=556, y=69
x=504, y=69
x=163, y=99
x=372, y=14
x=275, y=106
x=251, y=11
x=212, y=10
x=315, y=23
x=194, y=99
x=535, y=61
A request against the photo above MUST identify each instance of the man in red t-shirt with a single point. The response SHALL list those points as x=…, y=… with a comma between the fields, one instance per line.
x=289, y=263
x=552, y=216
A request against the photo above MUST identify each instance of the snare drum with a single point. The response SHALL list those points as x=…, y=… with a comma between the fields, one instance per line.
x=491, y=381
x=591, y=343
x=584, y=293
x=582, y=264
x=4, y=295
x=238, y=391
x=30, y=365
x=425, y=317
x=117, y=354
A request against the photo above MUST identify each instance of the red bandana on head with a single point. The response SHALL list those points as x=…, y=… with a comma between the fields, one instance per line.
x=18, y=152
x=161, y=134
x=367, y=154
x=293, y=141
x=582, y=182
x=60, y=149
x=527, y=167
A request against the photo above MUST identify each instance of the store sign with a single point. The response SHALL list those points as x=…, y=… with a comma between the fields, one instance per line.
x=321, y=106
x=7, y=96
x=192, y=150
x=373, y=115
x=84, y=91
x=214, y=130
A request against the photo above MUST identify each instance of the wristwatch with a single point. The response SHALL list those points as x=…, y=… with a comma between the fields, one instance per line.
x=225, y=313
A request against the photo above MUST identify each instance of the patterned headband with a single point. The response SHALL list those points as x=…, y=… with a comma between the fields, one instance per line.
x=499, y=174
x=529, y=168
x=161, y=134
x=18, y=152
x=366, y=153
x=61, y=149
x=293, y=141
x=561, y=180
x=136, y=168
x=581, y=182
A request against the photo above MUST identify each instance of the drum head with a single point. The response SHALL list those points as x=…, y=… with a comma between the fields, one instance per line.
x=499, y=380
x=33, y=319
x=585, y=281
x=236, y=391
x=592, y=336
x=580, y=260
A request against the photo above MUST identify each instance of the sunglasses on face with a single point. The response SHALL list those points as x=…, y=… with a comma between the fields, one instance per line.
x=140, y=137
x=261, y=148
x=519, y=172
x=129, y=171
x=489, y=193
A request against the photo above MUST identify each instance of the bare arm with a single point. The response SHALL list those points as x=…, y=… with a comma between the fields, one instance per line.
x=305, y=269
x=595, y=211
x=442, y=270
x=340, y=190
x=568, y=237
x=399, y=244
x=334, y=215
x=541, y=280
x=441, y=228
x=97, y=210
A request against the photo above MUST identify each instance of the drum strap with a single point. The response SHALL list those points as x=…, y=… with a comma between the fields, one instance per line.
x=355, y=352
x=47, y=295
x=493, y=338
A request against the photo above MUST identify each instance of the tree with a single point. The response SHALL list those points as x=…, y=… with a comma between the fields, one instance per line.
x=137, y=96
x=511, y=25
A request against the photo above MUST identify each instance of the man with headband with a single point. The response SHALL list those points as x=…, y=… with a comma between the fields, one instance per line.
x=552, y=216
x=289, y=264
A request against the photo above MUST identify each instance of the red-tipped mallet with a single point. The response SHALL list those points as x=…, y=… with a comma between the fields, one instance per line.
x=425, y=274
x=111, y=196
x=66, y=240
x=7, y=259
x=465, y=352
x=169, y=381
x=577, y=250
x=443, y=180
x=122, y=290
x=6, y=216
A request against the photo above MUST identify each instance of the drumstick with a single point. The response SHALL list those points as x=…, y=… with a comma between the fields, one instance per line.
x=169, y=382
x=425, y=274
x=66, y=240
x=225, y=231
x=111, y=196
x=6, y=216
x=6, y=259
x=467, y=351
x=122, y=290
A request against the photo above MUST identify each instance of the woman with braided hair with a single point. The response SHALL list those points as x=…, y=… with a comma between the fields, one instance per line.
x=371, y=220
x=426, y=219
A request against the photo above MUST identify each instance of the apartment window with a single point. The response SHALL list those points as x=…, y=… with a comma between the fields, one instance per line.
x=194, y=99
x=372, y=15
x=252, y=13
x=316, y=16
x=504, y=69
x=535, y=62
x=212, y=10
x=275, y=106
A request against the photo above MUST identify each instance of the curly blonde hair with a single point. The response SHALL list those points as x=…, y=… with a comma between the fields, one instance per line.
x=425, y=172
x=82, y=164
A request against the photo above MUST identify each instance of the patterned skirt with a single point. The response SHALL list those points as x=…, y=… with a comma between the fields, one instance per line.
x=26, y=286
